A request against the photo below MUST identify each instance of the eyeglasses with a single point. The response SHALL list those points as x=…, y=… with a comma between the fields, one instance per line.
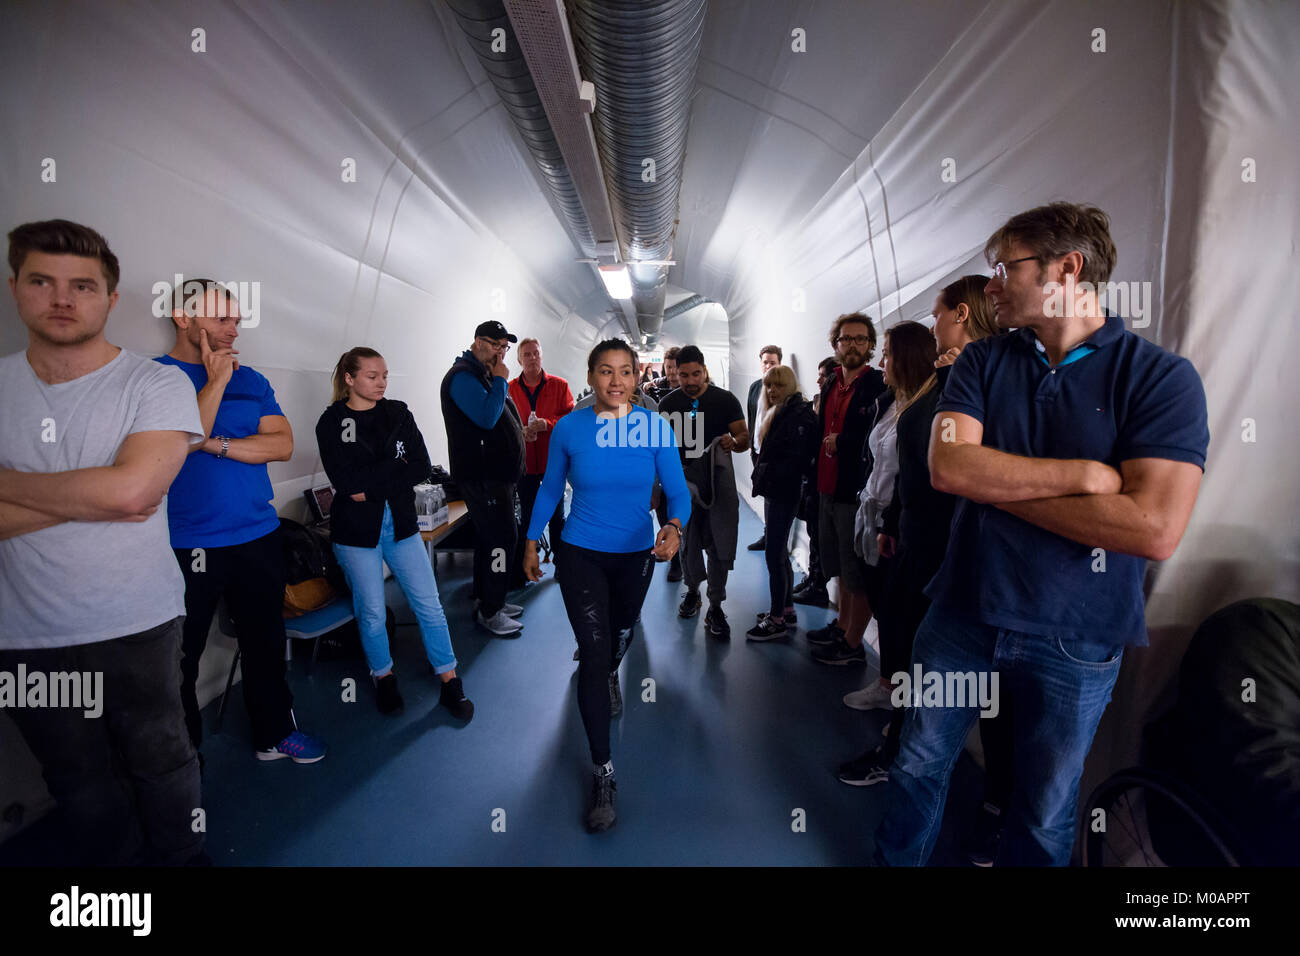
x=1000, y=268
x=853, y=339
x=501, y=347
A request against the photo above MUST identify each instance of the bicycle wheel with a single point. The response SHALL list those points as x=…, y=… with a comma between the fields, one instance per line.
x=1148, y=818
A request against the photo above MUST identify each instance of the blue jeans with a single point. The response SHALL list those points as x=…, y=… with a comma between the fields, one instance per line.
x=1060, y=686
x=409, y=560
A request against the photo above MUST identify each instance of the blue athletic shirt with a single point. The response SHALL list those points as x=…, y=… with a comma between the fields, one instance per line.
x=218, y=502
x=1114, y=398
x=611, y=464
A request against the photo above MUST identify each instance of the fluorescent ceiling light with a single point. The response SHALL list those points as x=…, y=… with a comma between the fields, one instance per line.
x=617, y=282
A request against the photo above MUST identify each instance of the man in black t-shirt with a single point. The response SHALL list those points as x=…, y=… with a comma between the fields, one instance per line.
x=702, y=414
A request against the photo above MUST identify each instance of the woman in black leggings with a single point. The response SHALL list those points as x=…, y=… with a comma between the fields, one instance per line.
x=610, y=453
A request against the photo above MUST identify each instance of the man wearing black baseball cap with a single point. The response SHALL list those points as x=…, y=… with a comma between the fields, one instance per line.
x=485, y=441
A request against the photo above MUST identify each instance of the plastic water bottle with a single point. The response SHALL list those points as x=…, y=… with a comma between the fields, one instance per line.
x=532, y=417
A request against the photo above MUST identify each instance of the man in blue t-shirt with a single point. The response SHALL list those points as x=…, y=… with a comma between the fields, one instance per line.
x=224, y=530
x=1077, y=448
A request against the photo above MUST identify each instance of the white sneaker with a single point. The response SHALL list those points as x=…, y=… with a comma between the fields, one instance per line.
x=871, y=697
x=508, y=609
x=499, y=623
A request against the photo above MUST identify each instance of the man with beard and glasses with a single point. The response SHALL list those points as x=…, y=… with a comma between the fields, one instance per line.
x=845, y=415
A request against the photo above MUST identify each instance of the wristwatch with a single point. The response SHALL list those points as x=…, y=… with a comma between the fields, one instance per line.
x=225, y=445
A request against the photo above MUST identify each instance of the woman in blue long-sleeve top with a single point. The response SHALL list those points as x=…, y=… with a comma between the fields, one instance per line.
x=610, y=453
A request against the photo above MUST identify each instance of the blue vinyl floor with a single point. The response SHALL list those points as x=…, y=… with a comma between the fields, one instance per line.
x=739, y=738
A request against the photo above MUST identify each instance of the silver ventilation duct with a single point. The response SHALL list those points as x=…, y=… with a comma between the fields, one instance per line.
x=505, y=65
x=641, y=55
x=685, y=306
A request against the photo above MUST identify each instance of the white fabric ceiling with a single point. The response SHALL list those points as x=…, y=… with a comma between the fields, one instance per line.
x=817, y=172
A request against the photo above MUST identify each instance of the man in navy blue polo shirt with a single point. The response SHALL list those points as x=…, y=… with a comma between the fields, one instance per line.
x=1077, y=448
x=224, y=529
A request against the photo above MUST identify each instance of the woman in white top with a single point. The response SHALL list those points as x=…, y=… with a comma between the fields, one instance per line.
x=907, y=362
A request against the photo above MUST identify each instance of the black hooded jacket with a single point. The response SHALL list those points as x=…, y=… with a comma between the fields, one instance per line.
x=382, y=455
x=789, y=451
x=851, y=473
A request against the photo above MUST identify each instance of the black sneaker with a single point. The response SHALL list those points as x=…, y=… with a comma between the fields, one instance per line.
x=814, y=596
x=454, y=699
x=690, y=605
x=759, y=545
x=387, y=696
x=829, y=634
x=766, y=629
x=716, y=623
x=675, y=568
x=863, y=771
x=983, y=845
x=615, y=696
x=601, y=816
x=840, y=653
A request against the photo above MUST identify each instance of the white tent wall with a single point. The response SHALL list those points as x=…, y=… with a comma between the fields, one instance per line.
x=1154, y=130
x=1231, y=285
x=229, y=164
x=813, y=185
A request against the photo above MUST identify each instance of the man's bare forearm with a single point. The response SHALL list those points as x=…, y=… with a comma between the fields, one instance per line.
x=107, y=493
x=255, y=449
x=209, y=399
x=1111, y=522
x=989, y=476
x=16, y=520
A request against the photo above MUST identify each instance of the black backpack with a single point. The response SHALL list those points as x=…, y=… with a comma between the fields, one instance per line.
x=307, y=555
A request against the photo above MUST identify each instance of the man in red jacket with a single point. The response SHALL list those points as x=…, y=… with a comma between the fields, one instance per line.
x=542, y=400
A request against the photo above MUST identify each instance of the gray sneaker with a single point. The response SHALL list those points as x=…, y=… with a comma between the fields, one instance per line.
x=500, y=624
x=601, y=816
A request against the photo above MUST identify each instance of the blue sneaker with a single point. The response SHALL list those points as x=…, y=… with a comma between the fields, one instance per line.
x=300, y=747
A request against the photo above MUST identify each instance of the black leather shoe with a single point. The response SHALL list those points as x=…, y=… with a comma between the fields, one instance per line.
x=759, y=545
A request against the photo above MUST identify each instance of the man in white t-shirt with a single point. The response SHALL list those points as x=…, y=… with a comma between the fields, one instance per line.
x=91, y=597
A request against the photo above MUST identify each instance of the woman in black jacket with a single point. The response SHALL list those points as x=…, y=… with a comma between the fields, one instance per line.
x=374, y=456
x=789, y=440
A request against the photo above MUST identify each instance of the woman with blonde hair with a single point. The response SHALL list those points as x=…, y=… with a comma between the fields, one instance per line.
x=374, y=456
x=789, y=440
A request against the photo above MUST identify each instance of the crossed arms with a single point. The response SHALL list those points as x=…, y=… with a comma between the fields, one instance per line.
x=1142, y=509
x=273, y=442
x=130, y=489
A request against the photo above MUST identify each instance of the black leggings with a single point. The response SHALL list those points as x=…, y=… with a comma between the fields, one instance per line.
x=778, y=516
x=603, y=594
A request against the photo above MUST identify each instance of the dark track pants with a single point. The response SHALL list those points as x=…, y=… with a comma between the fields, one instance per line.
x=251, y=577
x=491, y=506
